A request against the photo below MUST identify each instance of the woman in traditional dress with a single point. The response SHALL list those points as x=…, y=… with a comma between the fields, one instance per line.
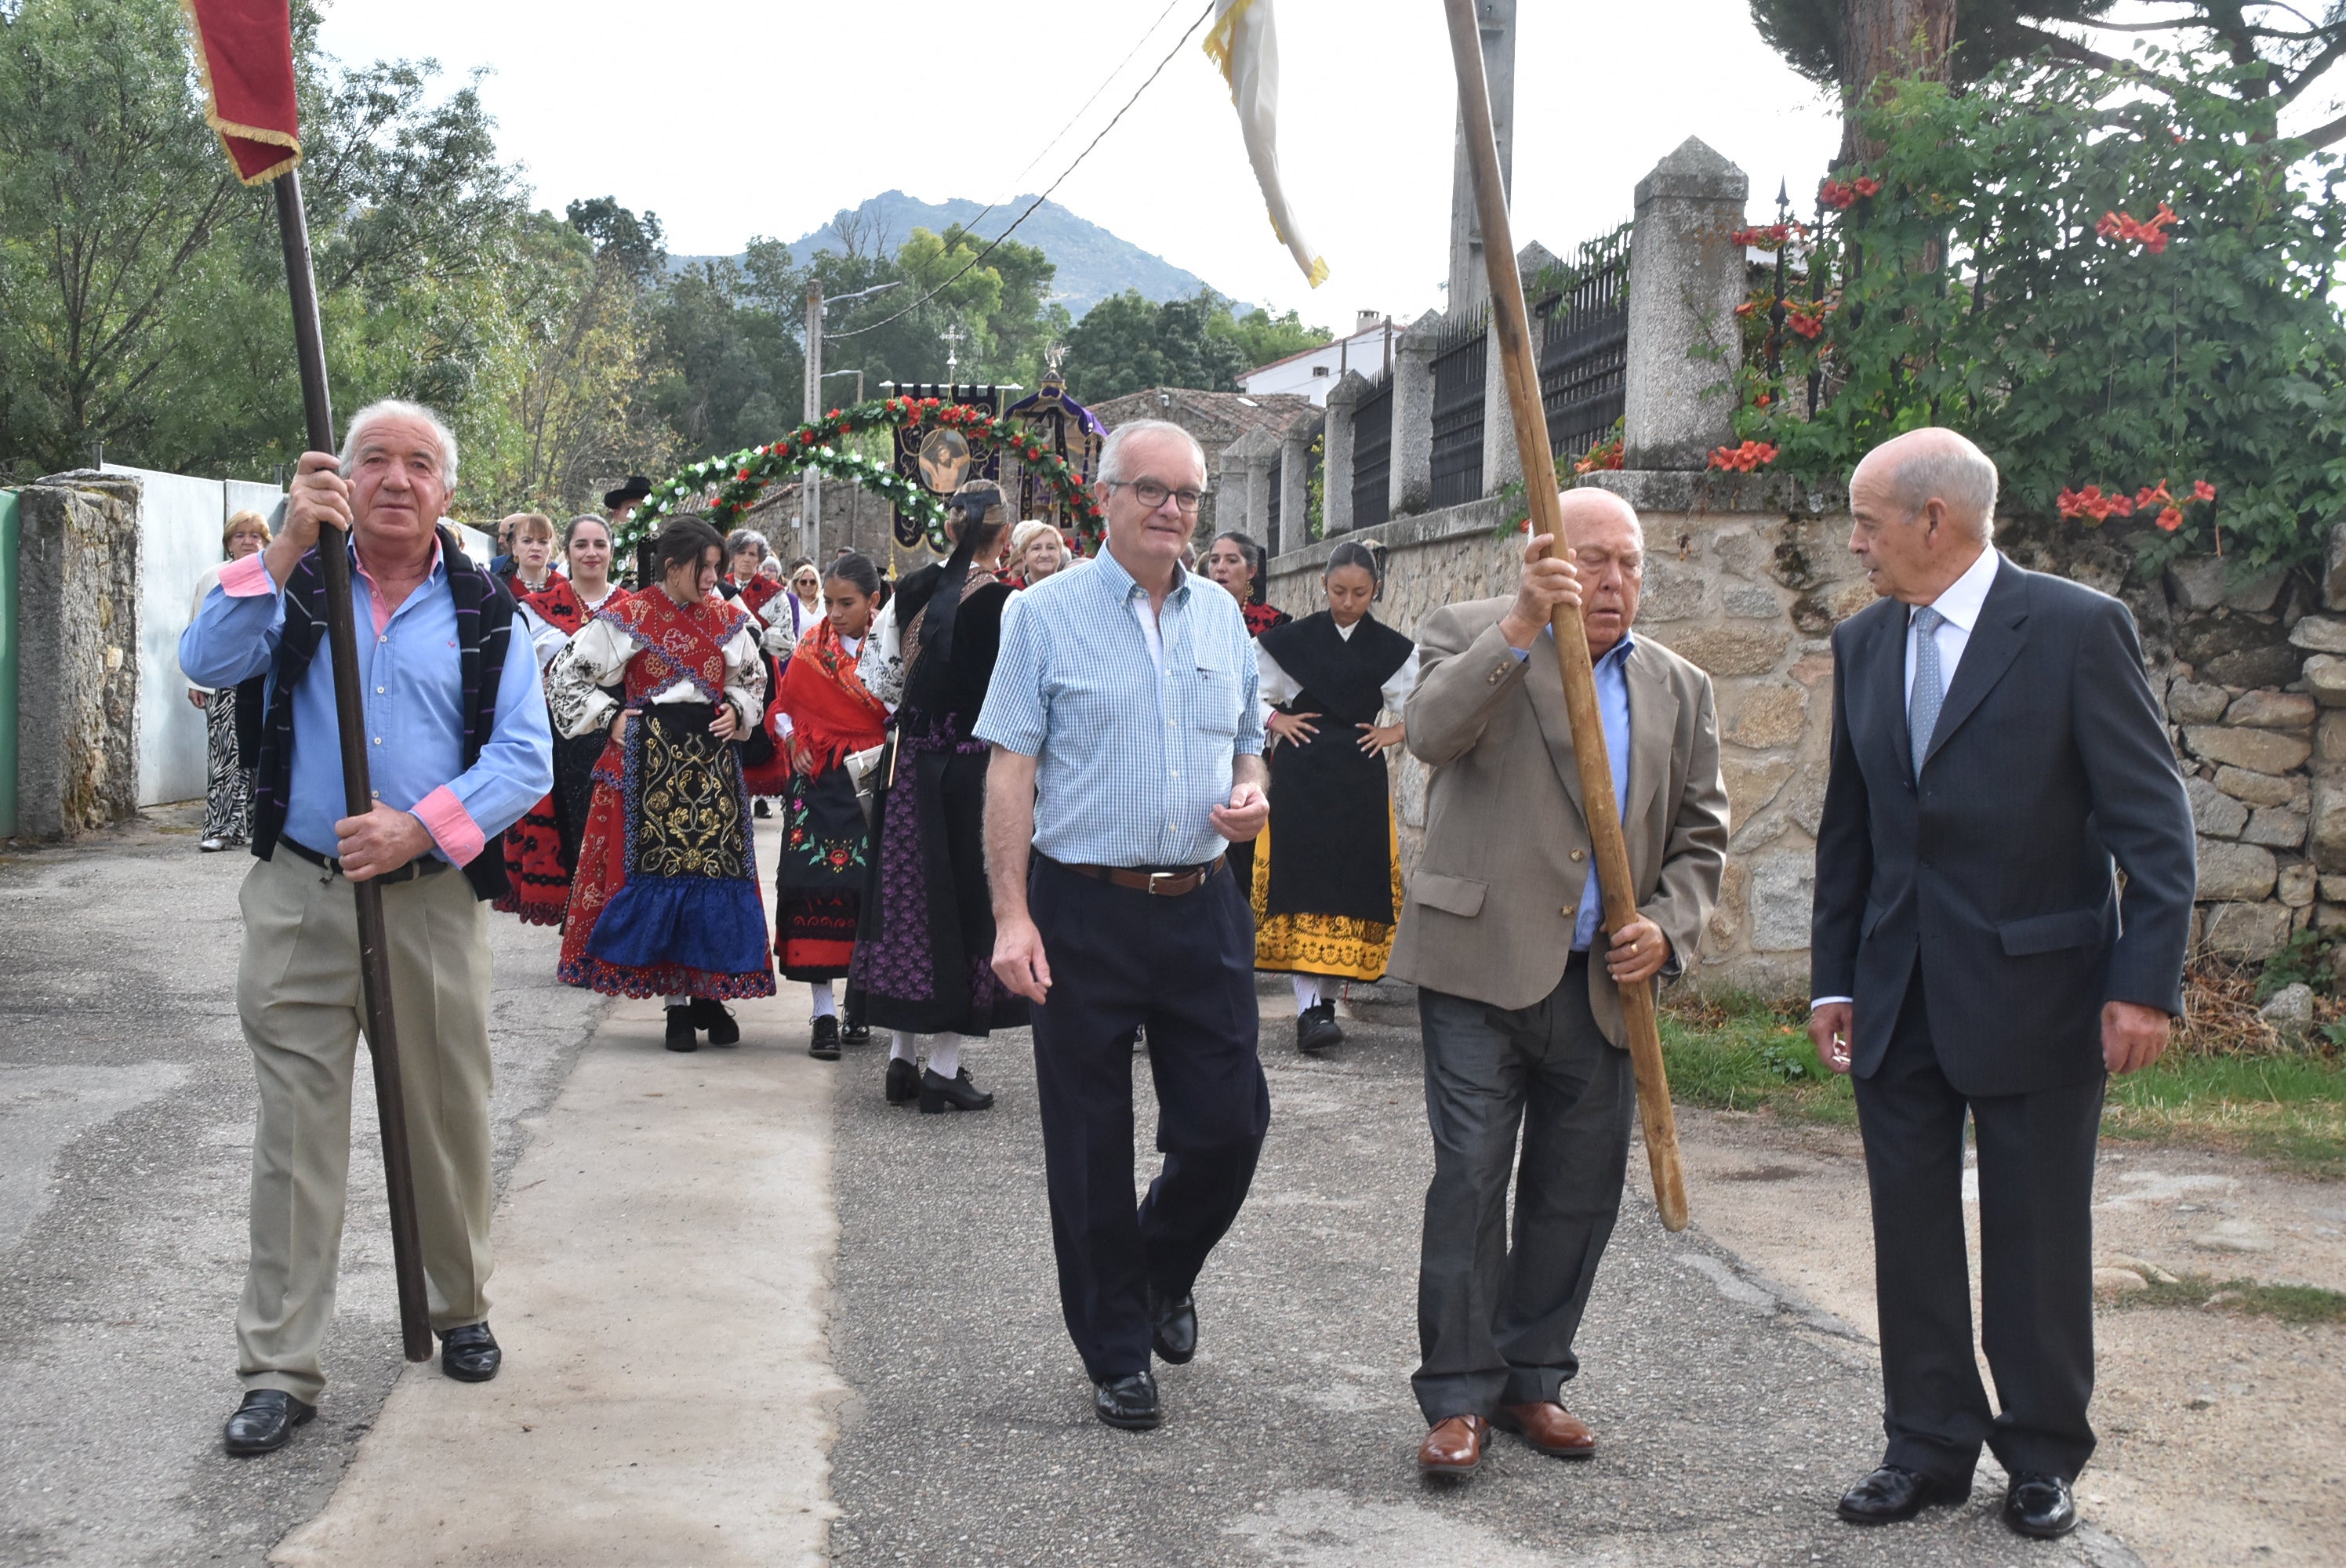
x=821, y=715
x=541, y=850
x=747, y=551
x=533, y=554
x=924, y=954
x=233, y=713
x=666, y=902
x=1327, y=877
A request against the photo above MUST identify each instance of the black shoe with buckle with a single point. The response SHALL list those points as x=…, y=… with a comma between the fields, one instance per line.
x=824, y=1045
x=940, y=1095
x=265, y=1423
x=470, y=1354
x=714, y=1017
x=853, y=1031
x=1129, y=1402
x=1316, y=1029
x=680, y=1030
x=2040, y=1505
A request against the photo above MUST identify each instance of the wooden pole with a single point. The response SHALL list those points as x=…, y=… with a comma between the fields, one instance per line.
x=358, y=796
x=1510, y=322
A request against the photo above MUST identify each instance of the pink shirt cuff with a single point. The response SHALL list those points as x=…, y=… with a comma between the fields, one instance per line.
x=450, y=826
x=248, y=578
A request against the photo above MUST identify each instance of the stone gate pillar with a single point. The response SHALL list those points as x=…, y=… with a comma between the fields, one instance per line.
x=1336, y=454
x=79, y=569
x=1685, y=277
x=1412, y=416
x=1295, y=487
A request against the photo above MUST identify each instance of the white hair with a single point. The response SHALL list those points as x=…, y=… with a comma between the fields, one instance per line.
x=381, y=409
x=1953, y=470
x=1111, y=458
x=1035, y=528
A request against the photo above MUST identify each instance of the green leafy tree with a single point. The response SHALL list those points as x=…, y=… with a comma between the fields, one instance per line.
x=2130, y=294
x=1127, y=343
x=1262, y=337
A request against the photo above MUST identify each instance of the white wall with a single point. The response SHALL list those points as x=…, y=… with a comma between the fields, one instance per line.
x=180, y=539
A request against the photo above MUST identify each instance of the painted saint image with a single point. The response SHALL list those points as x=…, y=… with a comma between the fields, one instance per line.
x=944, y=459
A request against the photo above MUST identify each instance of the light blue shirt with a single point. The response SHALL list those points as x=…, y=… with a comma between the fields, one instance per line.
x=1613, y=708
x=1134, y=744
x=413, y=685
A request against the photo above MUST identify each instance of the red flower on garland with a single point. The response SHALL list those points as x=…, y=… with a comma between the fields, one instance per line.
x=1744, y=459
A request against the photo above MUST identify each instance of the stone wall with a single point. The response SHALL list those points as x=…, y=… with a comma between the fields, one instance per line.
x=1734, y=583
x=79, y=581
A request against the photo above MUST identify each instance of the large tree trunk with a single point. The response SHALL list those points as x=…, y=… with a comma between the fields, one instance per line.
x=1882, y=38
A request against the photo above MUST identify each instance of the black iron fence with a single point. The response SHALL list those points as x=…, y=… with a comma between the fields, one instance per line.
x=1373, y=456
x=1278, y=483
x=1459, y=363
x=1584, y=312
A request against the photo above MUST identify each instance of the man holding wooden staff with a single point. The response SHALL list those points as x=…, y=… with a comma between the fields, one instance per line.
x=1519, y=990
x=459, y=749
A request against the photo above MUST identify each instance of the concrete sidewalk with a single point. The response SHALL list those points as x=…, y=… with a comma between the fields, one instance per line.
x=662, y=1294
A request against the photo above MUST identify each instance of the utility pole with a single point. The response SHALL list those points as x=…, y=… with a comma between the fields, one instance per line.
x=810, y=480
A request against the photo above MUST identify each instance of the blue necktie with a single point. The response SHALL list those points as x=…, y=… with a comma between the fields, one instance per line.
x=1930, y=690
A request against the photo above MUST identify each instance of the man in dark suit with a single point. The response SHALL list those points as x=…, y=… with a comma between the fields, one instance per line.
x=1997, y=760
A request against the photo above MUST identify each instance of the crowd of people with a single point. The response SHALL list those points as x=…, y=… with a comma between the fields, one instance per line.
x=1095, y=795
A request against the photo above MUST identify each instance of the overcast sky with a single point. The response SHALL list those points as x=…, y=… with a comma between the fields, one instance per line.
x=739, y=117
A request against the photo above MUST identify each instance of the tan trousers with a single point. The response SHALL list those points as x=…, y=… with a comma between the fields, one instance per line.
x=298, y=994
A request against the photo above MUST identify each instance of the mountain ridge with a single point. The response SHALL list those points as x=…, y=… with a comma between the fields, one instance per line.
x=1093, y=263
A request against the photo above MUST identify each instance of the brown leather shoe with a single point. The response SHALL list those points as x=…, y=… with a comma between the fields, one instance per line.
x=1551, y=1429
x=1454, y=1446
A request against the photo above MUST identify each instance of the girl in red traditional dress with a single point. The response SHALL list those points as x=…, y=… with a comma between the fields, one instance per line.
x=666, y=902
x=541, y=850
x=821, y=715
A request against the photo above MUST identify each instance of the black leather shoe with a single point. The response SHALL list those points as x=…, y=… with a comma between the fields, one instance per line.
x=470, y=1354
x=2040, y=1505
x=265, y=1423
x=904, y=1081
x=854, y=1032
x=824, y=1045
x=680, y=1030
x=1173, y=1326
x=1316, y=1029
x=713, y=1015
x=939, y=1095
x=1129, y=1402
x=1893, y=1494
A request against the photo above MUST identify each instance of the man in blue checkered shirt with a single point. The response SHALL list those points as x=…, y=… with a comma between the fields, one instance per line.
x=1128, y=754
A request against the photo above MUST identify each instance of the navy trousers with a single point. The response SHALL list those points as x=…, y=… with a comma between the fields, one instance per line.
x=2036, y=1251
x=1184, y=967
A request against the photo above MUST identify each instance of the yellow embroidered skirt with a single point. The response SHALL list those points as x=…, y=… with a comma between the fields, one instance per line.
x=1335, y=945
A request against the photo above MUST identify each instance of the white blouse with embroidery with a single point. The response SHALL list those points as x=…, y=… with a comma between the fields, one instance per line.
x=1276, y=686
x=598, y=656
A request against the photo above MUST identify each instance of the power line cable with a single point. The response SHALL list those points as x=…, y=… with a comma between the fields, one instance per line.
x=1179, y=46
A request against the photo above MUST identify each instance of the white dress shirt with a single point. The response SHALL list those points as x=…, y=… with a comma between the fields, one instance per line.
x=1959, y=605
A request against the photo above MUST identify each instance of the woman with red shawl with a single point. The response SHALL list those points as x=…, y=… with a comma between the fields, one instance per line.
x=541, y=850
x=821, y=715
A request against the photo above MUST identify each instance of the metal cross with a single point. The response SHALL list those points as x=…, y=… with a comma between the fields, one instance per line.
x=952, y=336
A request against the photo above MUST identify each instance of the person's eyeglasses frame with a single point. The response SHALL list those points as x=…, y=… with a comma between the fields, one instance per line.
x=1188, y=501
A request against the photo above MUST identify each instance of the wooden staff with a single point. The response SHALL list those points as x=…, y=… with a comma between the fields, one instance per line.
x=1510, y=323
x=358, y=796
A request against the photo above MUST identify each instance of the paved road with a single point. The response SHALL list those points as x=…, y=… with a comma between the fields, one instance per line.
x=126, y=1127
x=1730, y=1418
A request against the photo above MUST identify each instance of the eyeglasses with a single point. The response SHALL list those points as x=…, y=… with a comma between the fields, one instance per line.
x=1152, y=495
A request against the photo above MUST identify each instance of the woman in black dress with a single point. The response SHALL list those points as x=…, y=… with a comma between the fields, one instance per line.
x=925, y=949
x=1327, y=879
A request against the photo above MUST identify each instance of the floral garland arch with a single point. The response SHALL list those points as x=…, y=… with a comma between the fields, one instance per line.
x=728, y=486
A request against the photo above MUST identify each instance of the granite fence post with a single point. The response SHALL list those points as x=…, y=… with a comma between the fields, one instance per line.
x=1502, y=463
x=1685, y=277
x=1295, y=486
x=1412, y=416
x=79, y=571
x=1337, y=455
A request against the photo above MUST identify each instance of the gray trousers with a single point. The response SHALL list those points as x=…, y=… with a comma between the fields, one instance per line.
x=1495, y=1321
x=298, y=995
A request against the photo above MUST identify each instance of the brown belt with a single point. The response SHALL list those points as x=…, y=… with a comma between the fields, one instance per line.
x=1164, y=884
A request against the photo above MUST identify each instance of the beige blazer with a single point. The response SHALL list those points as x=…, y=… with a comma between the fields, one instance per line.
x=1490, y=911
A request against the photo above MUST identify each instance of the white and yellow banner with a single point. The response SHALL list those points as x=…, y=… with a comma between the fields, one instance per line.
x=1244, y=41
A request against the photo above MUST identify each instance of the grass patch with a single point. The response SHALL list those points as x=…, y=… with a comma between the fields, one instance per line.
x=2288, y=1303
x=1741, y=1052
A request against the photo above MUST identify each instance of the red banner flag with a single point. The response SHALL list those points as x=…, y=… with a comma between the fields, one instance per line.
x=244, y=50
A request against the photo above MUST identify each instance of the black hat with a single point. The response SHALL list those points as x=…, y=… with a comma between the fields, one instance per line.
x=635, y=489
